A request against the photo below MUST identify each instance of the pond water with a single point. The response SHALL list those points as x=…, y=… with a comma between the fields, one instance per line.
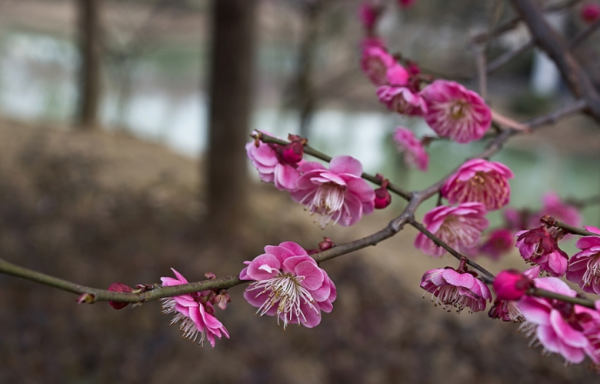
x=37, y=83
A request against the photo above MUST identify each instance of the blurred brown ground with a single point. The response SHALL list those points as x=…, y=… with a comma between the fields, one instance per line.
x=98, y=208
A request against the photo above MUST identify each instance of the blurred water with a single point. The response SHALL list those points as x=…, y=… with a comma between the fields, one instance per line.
x=37, y=83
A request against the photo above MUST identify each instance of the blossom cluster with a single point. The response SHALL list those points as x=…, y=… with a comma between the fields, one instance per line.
x=287, y=282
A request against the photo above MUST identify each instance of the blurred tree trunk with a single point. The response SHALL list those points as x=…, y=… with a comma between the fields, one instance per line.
x=231, y=74
x=305, y=92
x=89, y=68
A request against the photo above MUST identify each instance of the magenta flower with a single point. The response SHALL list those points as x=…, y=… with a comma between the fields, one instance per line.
x=402, y=100
x=272, y=167
x=460, y=227
x=375, y=63
x=456, y=112
x=555, y=207
x=479, y=180
x=584, y=266
x=559, y=326
x=511, y=285
x=338, y=193
x=499, y=242
x=507, y=310
x=368, y=14
x=194, y=310
x=397, y=75
x=455, y=288
x=289, y=284
x=590, y=12
x=414, y=153
x=540, y=247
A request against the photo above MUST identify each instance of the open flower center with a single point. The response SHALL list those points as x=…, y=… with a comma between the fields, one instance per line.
x=591, y=277
x=457, y=232
x=286, y=293
x=448, y=296
x=459, y=109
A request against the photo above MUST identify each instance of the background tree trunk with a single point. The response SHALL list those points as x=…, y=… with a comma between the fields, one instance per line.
x=89, y=70
x=231, y=74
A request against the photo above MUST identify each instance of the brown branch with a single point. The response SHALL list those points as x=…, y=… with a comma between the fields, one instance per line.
x=320, y=155
x=557, y=296
x=583, y=35
x=582, y=203
x=505, y=58
x=553, y=222
x=487, y=277
x=557, y=49
x=513, y=22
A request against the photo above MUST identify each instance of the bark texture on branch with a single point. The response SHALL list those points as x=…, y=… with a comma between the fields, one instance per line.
x=557, y=49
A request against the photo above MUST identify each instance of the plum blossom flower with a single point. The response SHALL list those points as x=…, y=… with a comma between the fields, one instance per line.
x=456, y=288
x=414, y=153
x=456, y=112
x=555, y=207
x=498, y=242
x=590, y=12
x=460, y=227
x=584, y=266
x=273, y=167
x=540, y=247
x=375, y=62
x=479, y=180
x=289, y=284
x=402, y=100
x=194, y=310
x=338, y=193
x=559, y=326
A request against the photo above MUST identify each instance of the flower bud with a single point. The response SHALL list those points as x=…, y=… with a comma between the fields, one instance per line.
x=119, y=287
x=293, y=152
x=511, y=285
x=382, y=198
x=590, y=13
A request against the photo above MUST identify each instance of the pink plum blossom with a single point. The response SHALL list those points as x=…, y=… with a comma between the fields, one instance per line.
x=402, y=100
x=498, y=242
x=397, y=75
x=414, y=153
x=584, y=266
x=479, y=180
x=289, y=284
x=590, y=12
x=456, y=112
x=272, y=167
x=194, y=310
x=375, y=62
x=555, y=207
x=338, y=193
x=559, y=326
x=539, y=247
x=456, y=288
x=460, y=227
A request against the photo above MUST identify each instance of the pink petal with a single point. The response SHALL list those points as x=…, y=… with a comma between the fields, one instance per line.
x=256, y=273
x=294, y=248
x=565, y=332
x=289, y=265
x=313, y=276
x=346, y=164
x=280, y=252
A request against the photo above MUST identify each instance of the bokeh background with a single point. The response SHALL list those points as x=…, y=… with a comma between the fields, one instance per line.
x=112, y=168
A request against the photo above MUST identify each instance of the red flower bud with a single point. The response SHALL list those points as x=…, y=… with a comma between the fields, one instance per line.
x=511, y=285
x=293, y=152
x=382, y=198
x=119, y=287
x=590, y=12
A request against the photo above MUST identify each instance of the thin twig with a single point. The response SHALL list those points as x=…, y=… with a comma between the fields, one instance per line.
x=583, y=35
x=553, y=222
x=320, y=155
x=557, y=296
x=487, y=277
x=507, y=57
